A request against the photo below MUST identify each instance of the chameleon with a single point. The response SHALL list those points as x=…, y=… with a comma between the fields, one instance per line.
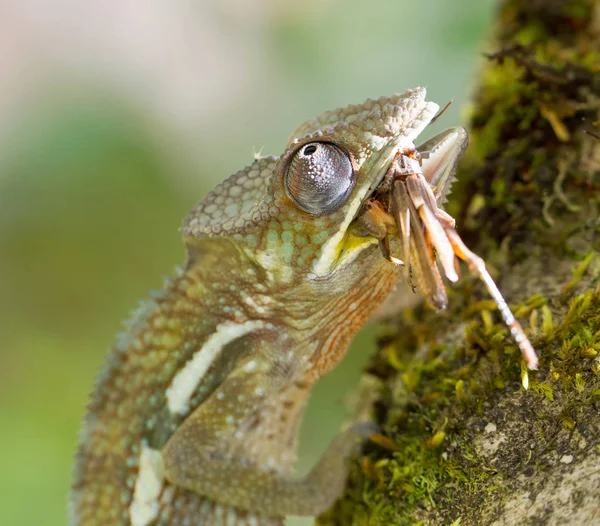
x=194, y=418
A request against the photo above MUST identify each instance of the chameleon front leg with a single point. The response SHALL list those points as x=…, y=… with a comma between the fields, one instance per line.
x=196, y=456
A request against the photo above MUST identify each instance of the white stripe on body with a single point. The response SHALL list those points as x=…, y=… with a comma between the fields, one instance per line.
x=187, y=379
x=144, y=507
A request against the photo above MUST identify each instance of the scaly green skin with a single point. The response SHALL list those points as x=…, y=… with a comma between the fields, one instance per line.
x=469, y=445
x=194, y=419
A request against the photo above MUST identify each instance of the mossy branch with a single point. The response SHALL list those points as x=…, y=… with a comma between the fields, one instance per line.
x=462, y=441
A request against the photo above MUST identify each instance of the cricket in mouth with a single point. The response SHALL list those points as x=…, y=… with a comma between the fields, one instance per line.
x=405, y=205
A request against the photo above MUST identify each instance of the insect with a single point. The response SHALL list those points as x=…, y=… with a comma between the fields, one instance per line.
x=405, y=205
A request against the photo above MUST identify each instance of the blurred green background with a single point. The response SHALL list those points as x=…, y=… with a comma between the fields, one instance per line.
x=115, y=118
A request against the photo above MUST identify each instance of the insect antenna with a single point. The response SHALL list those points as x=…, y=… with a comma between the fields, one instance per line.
x=441, y=112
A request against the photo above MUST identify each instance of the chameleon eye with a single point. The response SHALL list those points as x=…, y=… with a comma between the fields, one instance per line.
x=319, y=178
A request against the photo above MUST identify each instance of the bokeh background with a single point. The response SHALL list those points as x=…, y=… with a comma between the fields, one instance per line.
x=115, y=118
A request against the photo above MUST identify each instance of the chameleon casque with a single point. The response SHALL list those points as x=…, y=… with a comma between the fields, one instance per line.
x=194, y=419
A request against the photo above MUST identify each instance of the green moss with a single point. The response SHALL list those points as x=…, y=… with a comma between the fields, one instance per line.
x=579, y=271
x=422, y=473
x=576, y=10
x=426, y=418
x=543, y=389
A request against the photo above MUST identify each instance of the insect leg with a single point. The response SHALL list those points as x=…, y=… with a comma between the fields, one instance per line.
x=477, y=266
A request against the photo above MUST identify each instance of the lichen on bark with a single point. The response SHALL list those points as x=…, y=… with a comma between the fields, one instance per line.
x=462, y=441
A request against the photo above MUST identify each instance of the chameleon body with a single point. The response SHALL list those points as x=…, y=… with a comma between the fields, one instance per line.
x=194, y=419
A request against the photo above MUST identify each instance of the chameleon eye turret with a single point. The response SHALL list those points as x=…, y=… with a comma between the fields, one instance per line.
x=320, y=178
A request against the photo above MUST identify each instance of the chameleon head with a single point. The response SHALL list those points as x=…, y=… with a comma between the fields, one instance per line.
x=291, y=216
x=292, y=213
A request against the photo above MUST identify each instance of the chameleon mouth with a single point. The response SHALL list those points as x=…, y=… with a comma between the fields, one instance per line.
x=404, y=206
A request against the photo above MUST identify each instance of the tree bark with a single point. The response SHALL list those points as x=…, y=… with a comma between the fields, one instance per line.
x=463, y=442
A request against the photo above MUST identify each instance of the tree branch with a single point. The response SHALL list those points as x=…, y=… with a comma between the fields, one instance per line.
x=463, y=442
